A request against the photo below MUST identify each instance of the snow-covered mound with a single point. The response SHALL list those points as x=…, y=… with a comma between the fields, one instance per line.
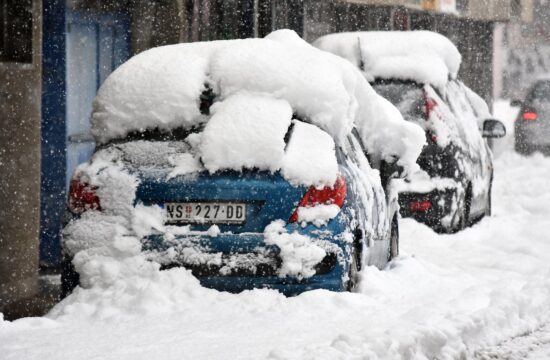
x=162, y=87
x=422, y=56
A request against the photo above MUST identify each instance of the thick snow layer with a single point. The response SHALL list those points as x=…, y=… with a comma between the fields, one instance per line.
x=247, y=130
x=310, y=158
x=161, y=89
x=298, y=252
x=422, y=56
x=157, y=88
x=421, y=182
x=318, y=215
x=445, y=297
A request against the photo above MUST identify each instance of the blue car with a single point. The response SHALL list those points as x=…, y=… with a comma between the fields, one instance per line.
x=233, y=255
x=248, y=179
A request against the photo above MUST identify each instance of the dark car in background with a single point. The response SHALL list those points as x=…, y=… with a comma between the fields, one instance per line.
x=457, y=188
x=418, y=74
x=532, y=126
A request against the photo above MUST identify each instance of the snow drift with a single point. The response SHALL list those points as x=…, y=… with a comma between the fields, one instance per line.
x=161, y=89
x=423, y=56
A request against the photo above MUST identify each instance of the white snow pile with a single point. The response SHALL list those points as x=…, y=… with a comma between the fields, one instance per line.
x=256, y=84
x=310, y=156
x=422, y=182
x=298, y=252
x=248, y=142
x=318, y=215
x=422, y=56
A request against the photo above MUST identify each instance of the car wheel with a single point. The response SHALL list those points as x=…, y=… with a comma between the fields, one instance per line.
x=464, y=211
x=393, y=251
x=489, y=205
x=69, y=278
x=353, y=273
x=355, y=261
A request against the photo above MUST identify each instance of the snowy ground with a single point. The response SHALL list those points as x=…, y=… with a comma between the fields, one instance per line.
x=483, y=293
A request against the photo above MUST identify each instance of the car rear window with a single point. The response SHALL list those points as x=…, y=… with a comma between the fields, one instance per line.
x=406, y=96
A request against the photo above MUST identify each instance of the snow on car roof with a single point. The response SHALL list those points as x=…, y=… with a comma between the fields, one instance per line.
x=161, y=89
x=422, y=56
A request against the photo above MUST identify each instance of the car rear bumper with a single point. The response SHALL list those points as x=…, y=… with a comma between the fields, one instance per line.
x=332, y=281
x=237, y=262
x=530, y=138
x=440, y=214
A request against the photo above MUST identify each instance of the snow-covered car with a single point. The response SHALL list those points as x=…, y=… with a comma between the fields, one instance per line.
x=532, y=126
x=417, y=72
x=244, y=161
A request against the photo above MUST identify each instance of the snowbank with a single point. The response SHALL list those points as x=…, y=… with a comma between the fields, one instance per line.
x=422, y=56
x=161, y=89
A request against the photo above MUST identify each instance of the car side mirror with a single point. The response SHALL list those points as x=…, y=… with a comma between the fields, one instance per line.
x=493, y=129
x=390, y=170
x=516, y=103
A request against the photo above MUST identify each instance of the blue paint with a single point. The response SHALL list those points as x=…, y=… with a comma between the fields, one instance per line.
x=53, y=193
x=80, y=49
x=267, y=197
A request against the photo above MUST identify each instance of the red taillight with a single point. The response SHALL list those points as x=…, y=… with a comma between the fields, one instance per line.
x=529, y=116
x=431, y=137
x=326, y=196
x=82, y=197
x=420, y=206
x=429, y=105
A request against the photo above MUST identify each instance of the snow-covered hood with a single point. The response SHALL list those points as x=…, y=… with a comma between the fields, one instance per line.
x=422, y=56
x=162, y=87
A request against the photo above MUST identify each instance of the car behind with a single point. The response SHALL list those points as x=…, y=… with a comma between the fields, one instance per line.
x=418, y=74
x=532, y=127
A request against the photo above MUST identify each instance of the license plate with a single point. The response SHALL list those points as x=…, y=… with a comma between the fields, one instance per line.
x=205, y=213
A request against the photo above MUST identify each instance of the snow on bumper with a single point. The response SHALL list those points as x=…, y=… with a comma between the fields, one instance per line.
x=236, y=262
x=436, y=206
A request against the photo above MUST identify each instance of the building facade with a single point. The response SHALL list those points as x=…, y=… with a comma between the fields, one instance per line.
x=20, y=103
x=524, y=48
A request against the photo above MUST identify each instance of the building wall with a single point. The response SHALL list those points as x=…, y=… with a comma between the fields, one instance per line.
x=20, y=97
x=473, y=38
x=524, y=48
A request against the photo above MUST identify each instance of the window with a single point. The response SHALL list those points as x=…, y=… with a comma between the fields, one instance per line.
x=16, y=31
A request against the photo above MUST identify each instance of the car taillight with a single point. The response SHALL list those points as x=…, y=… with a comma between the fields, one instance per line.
x=420, y=206
x=529, y=115
x=326, y=196
x=429, y=105
x=431, y=137
x=82, y=197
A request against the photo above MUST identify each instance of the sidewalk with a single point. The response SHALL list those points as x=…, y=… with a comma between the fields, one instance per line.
x=50, y=290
